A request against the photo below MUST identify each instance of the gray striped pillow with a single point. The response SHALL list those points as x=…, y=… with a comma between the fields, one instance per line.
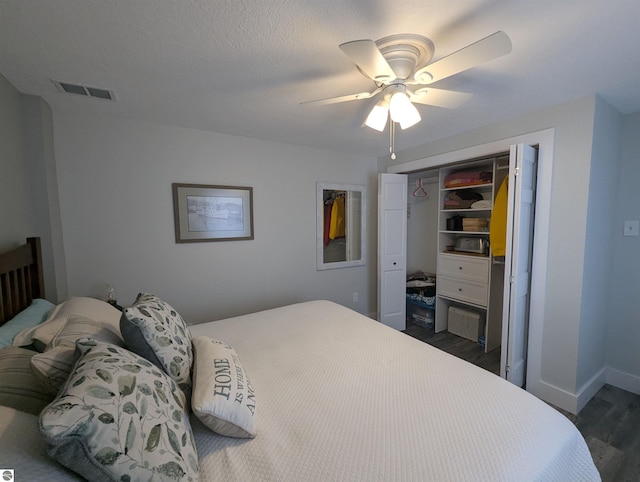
x=19, y=388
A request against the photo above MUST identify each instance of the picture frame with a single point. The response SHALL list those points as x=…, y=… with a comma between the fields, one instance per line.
x=212, y=213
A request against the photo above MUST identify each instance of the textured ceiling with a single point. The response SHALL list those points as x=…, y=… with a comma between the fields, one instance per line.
x=243, y=67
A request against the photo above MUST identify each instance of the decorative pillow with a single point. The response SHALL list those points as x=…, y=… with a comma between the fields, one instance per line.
x=41, y=335
x=32, y=315
x=19, y=388
x=118, y=417
x=223, y=399
x=153, y=329
x=53, y=366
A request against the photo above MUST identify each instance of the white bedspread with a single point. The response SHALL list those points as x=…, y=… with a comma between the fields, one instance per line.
x=342, y=397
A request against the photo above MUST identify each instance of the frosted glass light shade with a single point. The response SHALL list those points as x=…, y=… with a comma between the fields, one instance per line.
x=377, y=118
x=410, y=119
x=403, y=111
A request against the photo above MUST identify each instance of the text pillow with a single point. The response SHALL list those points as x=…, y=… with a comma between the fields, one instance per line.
x=223, y=398
x=153, y=329
x=118, y=417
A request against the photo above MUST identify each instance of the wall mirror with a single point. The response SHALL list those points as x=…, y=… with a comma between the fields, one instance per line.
x=340, y=225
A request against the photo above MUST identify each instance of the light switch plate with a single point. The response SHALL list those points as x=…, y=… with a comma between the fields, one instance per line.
x=631, y=228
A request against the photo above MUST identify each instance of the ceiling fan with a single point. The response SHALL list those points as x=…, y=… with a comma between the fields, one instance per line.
x=399, y=66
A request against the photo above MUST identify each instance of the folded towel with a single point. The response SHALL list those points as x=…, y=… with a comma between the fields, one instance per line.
x=484, y=204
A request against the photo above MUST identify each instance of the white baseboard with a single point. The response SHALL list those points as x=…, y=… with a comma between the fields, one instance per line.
x=589, y=389
x=573, y=403
x=555, y=396
x=625, y=381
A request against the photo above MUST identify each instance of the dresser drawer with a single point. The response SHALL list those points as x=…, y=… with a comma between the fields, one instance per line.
x=463, y=290
x=467, y=267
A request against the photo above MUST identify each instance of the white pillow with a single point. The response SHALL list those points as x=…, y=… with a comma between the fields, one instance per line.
x=92, y=308
x=53, y=366
x=222, y=396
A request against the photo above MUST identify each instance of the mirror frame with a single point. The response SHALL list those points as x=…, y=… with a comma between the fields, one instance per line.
x=321, y=187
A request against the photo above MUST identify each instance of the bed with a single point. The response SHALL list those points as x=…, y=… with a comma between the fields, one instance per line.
x=338, y=396
x=21, y=278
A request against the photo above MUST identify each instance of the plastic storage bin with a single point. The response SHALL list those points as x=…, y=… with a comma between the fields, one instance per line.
x=421, y=313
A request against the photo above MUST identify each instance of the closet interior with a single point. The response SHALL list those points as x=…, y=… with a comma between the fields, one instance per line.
x=454, y=275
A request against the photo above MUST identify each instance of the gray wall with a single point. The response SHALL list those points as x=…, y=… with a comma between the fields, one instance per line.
x=39, y=161
x=28, y=185
x=623, y=304
x=115, y=178
x=601, y=230
x=16, y=218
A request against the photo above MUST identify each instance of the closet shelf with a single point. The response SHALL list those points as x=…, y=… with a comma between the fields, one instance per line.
x=465, y=253
x=466, y=280
x=466, y=210
x=487, y=186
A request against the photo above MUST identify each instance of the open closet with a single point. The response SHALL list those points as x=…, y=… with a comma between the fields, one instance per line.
x=469, y=223
x=470, y=274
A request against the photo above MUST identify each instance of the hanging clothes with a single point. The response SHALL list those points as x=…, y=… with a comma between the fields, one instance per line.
x=337, y=218
x=498, y=226
x=328, y=205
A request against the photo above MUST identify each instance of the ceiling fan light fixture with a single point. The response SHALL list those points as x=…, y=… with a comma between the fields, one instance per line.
x=377, y=118
x=411, y=120
x=424, y=77
x=402, y=60
x=403, y=111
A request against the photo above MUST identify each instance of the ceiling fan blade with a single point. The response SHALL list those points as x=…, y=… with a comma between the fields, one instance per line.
x=343, y=98
x=365, y=54
x=489, y=48
x=448, y=99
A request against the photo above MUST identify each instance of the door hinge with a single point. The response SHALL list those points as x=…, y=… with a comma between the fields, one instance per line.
x=516, y=171
x=507, y=368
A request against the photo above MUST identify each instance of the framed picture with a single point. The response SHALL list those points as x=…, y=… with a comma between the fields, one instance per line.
x=212, y=213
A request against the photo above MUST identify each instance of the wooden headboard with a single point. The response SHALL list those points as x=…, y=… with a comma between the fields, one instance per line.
x=21, y=278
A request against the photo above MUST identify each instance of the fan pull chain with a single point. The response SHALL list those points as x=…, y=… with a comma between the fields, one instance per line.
x=392, y=138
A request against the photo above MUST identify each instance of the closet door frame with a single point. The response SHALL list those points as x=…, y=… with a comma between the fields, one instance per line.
x=544, y=140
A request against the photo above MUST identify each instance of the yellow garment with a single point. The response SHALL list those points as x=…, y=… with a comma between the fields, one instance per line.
x=336, y=230
x=498, y=228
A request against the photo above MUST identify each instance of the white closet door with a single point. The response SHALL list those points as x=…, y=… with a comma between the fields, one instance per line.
x=392, y=249
x=517, y=275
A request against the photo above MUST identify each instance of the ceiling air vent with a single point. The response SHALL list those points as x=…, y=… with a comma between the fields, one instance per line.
x=84, y=90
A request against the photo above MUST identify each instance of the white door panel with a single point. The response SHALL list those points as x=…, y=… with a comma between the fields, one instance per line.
x=522, y=177
x=392, y=249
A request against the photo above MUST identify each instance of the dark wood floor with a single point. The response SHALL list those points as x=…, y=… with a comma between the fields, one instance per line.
x=458, y=346
x=610, y=422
